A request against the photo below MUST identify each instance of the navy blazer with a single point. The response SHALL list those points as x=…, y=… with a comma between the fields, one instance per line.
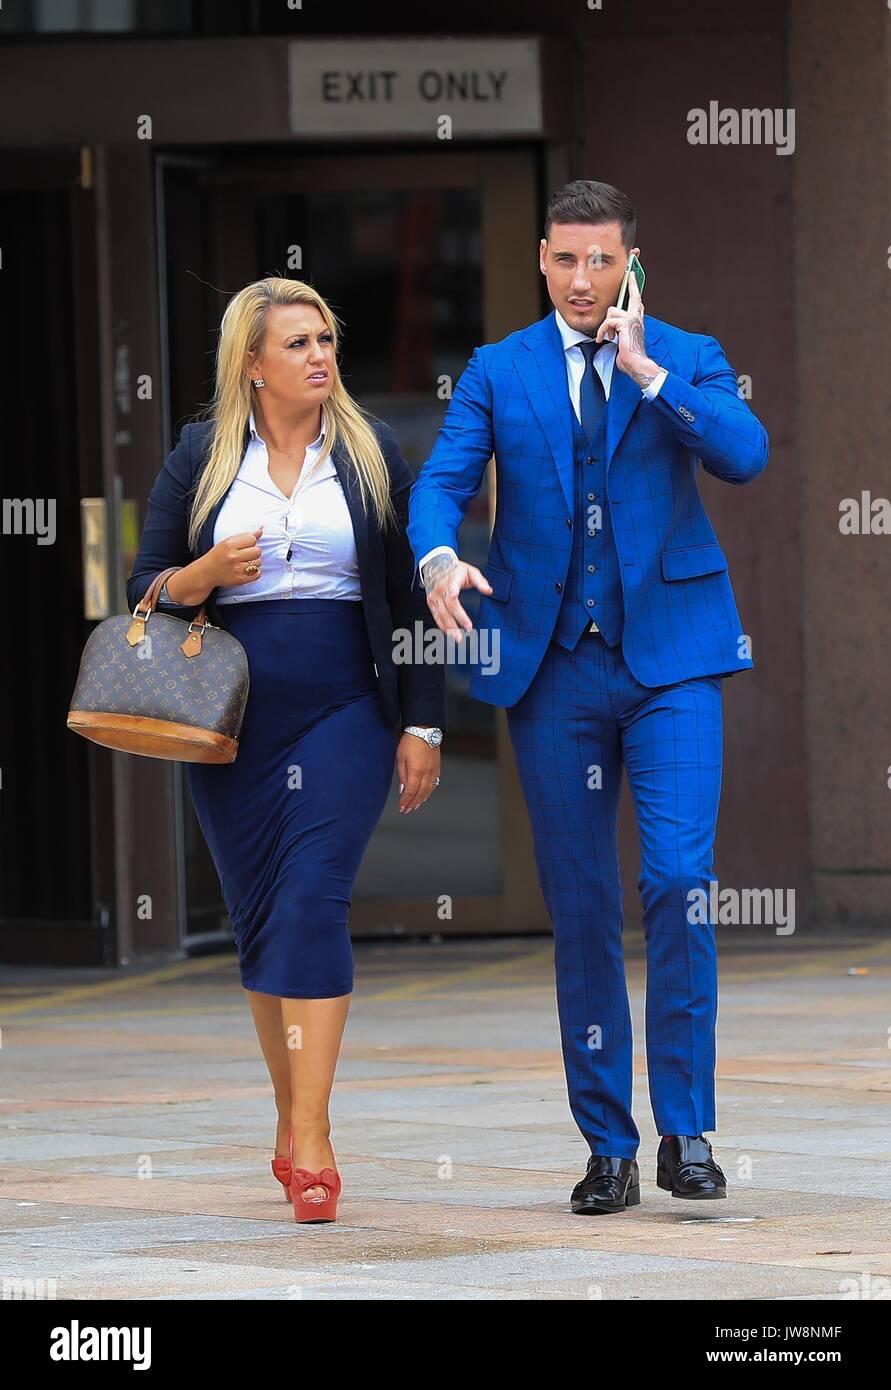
x=413, y=693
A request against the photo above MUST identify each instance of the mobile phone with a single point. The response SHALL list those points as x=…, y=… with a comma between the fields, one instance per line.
x=634, y=266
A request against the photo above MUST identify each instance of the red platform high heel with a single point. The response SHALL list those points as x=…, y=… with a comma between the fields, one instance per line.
x=281, y=1169
x=315, y=1208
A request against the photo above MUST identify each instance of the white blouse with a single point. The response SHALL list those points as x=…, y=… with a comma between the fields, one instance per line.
x=308, y=547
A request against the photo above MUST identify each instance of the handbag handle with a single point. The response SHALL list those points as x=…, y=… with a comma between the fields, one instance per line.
x=150, y=598
x=191, y=645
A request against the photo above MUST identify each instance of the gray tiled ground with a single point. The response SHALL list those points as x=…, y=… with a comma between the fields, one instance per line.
x=137, y=1130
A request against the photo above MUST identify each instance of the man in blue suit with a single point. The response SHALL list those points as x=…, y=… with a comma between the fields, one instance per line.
x=617, y=622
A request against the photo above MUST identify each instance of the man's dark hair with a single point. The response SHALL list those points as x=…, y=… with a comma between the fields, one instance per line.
x=586, y=200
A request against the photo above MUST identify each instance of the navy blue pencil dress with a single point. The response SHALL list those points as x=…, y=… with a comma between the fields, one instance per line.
x=288, y=821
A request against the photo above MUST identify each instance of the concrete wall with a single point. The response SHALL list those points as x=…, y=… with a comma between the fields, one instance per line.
x=839, y=59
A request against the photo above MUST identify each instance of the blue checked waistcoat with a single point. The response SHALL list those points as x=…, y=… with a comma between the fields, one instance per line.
x=593, y=587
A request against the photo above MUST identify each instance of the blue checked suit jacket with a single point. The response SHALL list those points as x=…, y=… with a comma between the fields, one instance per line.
x=512, y=400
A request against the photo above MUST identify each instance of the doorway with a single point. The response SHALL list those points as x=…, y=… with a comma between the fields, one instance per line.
x=422, y=258
x=57, y=875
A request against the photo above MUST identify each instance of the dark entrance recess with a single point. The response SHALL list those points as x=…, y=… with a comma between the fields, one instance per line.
x=56, y=864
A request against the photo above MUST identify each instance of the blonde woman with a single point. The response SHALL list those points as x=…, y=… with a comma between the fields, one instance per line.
x=286, y=508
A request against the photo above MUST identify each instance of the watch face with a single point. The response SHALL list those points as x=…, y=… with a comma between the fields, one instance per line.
x=436, y=738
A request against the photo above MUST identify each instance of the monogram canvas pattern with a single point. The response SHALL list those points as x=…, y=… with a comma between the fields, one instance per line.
x=155, y=680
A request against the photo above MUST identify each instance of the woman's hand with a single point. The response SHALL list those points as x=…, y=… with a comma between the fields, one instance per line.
x=418, y=767
x=221, y=566
x=225, y=562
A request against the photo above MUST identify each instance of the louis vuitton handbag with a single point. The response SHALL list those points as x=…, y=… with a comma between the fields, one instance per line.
x=155, y=684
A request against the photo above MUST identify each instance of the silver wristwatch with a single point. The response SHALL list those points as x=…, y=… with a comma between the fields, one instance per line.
x=431, y=736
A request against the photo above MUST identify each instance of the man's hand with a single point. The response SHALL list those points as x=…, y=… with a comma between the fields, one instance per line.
x=444, y=576
x=628, y=326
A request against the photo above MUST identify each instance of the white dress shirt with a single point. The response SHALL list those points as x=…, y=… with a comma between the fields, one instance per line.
x=604, y=361
x=308, y=546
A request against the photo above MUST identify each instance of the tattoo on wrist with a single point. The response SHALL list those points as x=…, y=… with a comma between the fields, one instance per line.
x=636, y=341
x=644, y=379
x=435, y=568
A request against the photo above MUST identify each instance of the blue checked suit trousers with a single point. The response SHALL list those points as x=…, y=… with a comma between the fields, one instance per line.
x=582, y=719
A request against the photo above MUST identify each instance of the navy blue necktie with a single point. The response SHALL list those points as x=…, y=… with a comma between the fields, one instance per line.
x=592, y=397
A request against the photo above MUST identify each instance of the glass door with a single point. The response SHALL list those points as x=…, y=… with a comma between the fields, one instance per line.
x=422, y=258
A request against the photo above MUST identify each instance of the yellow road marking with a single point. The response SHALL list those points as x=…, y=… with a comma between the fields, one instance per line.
x=59, y=998
x=434, y=984
x=121, y=1015
x=825, y=963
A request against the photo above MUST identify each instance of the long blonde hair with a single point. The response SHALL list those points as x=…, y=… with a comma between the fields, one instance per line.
x=243, y=330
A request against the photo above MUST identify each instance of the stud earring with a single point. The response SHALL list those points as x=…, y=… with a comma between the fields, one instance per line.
x=258, y=382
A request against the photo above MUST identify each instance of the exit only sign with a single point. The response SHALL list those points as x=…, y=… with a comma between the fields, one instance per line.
x=371, y=87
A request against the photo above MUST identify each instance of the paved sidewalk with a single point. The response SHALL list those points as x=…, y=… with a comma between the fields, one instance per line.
x=137, y=1128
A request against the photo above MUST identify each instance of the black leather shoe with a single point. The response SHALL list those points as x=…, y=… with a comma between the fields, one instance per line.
x=610, y=1184
x=685, y=1167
